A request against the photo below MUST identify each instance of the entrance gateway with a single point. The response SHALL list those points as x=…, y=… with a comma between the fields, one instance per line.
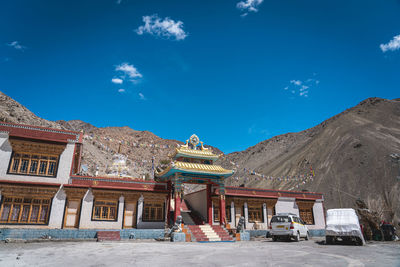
x=193, y=163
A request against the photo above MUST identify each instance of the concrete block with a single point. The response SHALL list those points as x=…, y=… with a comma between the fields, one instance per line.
x=316, y=232
x=178, y=237
x=245, y=236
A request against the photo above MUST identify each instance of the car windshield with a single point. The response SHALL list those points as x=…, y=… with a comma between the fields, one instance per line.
x=281, y=219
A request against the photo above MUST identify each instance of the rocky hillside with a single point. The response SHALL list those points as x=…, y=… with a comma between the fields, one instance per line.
x=351, y=154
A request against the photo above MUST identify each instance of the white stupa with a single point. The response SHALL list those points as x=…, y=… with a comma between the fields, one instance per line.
x=118, y=167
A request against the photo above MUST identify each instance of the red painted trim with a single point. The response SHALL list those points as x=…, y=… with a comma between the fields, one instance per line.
x=288, y=191
x=28, y=183
x=95, y=183
x=268, y=193
x=117, y=179
x=40, y=133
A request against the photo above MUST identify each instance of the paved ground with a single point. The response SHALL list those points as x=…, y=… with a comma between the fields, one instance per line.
x=152, y=253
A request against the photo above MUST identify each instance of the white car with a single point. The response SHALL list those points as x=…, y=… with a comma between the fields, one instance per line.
x=287, y=225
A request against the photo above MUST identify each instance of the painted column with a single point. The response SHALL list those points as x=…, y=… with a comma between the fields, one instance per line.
x=209, y=206
x=265, y=214
x=169, y=202
x=177, y=205
x=233, y=215
x=222, y=212
x=246, y=214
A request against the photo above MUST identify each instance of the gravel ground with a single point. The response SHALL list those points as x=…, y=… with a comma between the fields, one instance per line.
x=151, y=253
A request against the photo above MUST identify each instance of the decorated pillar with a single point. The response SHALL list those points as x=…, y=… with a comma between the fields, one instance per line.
x=177, y=204
x=169, y=186
x=177, y=196
x=222, y=212
x=209, y=205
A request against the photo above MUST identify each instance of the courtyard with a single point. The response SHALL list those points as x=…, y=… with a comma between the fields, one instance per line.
x=262, y=252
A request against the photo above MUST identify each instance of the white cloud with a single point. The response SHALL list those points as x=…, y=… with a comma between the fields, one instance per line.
x=17, y=45
x=121, y=90
x=248, y=6
x=141, y=96
x=393, y=44
x=129, y=70
x=117, y=80
x=167, y=28
x=296, y=82
x=302, y=88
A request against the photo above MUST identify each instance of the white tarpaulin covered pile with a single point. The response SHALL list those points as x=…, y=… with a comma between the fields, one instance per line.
x=343, y=222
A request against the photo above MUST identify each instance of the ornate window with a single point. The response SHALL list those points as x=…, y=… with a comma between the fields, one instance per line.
x=153, y=212
x=25, y=210
x=255, y=213
x=306, y=214
x=34, y=164
x=306, y=211
x=105, y=210
x=227, y=213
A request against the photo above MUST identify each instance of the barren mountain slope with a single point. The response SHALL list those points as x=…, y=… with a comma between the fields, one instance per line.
x=350, y=154
x=12, y=111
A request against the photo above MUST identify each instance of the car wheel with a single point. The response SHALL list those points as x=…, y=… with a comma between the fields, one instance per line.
x=359, y=241
x=274, y=238
x=297, y=237
x=307, y=236
x=329, y=240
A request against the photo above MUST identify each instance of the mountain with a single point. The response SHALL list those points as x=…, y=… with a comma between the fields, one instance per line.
x=351, y=154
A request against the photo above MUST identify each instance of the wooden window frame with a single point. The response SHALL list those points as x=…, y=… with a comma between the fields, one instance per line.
x=160, y=219
x=216, y=212
x=105, y=206
x=228, y=214
x=305, y=218
x=35, y=201
x=20, y=156
x=255, y=209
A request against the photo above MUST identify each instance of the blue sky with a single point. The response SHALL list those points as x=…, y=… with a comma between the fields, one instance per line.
x=233, y=72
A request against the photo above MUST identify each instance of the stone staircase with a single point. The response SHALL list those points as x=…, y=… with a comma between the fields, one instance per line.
x=207, y=233
x=108, y=236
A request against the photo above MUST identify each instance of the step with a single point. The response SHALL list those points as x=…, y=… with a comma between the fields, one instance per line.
x=108, y=236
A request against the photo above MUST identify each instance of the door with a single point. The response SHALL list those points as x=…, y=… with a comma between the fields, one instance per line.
x=72, y=213
x=238, y=214
x=129, y=218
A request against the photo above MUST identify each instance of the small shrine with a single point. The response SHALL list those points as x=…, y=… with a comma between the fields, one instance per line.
x=194, y=163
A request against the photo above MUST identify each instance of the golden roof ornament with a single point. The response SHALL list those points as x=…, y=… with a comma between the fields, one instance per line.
x=194, y=140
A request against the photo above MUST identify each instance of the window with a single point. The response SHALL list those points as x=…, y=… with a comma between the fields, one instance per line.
x=25, y=210
x=281, y=219
x=105, y=210
x=153, y=212
x=228, y=213
x=255, y=213
x=216, y=213
x=306, y=214
x=33, y=164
